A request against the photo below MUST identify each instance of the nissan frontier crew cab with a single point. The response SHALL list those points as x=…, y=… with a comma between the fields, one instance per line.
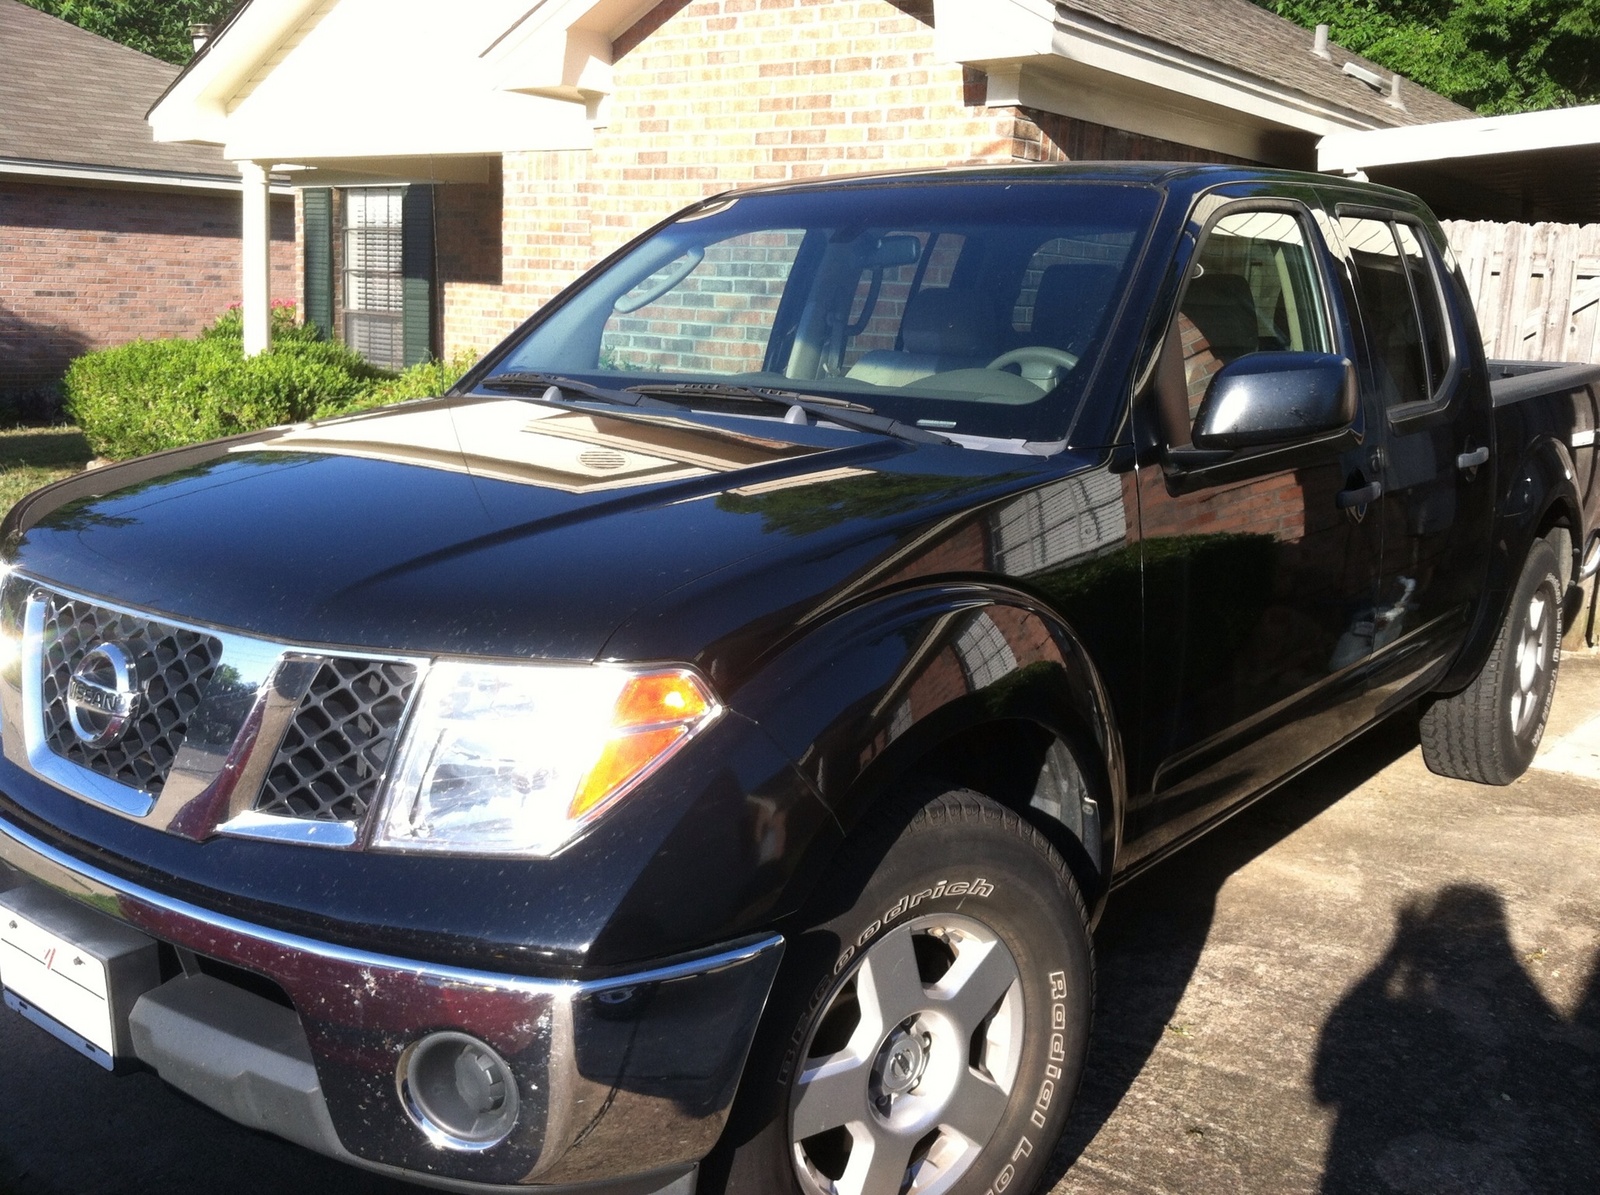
x=692, y=754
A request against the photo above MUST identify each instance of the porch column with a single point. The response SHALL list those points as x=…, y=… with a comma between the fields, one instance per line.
x=255, y=273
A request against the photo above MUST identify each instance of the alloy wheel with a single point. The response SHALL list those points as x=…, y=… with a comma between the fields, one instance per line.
x=1534, y=654
x=910, y=1067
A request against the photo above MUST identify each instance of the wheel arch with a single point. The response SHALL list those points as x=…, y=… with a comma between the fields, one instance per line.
x=1541, y=497
x=972, y=684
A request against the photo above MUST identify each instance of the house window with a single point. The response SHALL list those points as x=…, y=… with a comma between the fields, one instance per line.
x=374, y=285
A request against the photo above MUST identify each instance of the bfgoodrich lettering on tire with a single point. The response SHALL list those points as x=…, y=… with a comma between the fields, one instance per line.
x=1490, y=730
x=927, y=1033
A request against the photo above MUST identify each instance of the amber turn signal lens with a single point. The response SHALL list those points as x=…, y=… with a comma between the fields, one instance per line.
x=659, y=698
x=653, y=713
x=623, y=759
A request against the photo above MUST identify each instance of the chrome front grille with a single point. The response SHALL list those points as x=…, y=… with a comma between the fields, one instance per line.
x=173, y=666
x=337, y=744
x=217, y=733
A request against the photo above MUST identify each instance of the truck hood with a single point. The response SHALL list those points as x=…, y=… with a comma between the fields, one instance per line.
x=481, y=526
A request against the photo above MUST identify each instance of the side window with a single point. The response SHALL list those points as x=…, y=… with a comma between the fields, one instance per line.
x=1253, y=288
x=1425, y=291
x=1400, y=309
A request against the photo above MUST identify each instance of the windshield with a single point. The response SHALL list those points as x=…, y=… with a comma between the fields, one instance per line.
x=971, y=308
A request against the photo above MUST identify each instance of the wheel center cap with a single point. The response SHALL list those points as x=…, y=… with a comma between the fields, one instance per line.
x=900, y=1064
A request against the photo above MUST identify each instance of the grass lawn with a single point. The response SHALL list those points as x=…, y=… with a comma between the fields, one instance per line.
x=31, y=456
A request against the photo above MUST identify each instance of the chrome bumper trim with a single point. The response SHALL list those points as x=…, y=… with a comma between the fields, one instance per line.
x=625, y=1075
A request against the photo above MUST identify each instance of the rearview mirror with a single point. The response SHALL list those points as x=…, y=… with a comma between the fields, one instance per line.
x=1264, y=399
x=896, y=249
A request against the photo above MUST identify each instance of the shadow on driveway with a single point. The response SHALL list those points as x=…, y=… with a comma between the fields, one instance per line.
x=1149, y=941
x=1446, y=1069
x=1450, y=1071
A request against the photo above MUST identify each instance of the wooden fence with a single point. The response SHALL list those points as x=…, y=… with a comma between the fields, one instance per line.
x=1536, y=287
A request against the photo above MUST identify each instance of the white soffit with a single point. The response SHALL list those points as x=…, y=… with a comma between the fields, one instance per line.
x=1558, y=128
x=323, y=80
x=113, y=177
x=563, y=49
x=1075, y=66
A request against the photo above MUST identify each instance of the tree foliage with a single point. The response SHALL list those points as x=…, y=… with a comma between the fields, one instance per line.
x=1492, y=55
x=156, y=27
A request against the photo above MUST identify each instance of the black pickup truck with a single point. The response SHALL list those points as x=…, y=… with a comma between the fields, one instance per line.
x=693, y=753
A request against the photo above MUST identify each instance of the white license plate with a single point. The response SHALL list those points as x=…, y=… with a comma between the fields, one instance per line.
x=73, y=971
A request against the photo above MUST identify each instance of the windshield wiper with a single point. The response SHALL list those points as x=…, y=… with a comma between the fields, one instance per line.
x=835, y=410
x=533, y=380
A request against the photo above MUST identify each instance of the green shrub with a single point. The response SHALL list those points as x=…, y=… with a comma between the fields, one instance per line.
x=155, y=394
x=426, y=380
x=285, y=325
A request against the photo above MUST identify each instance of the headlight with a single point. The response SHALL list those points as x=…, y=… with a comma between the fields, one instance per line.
x=516, y=759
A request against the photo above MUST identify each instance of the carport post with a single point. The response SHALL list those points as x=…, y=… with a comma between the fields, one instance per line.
x=255, y=272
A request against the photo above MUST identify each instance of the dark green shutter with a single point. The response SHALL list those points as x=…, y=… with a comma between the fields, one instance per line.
x=318, y=230
x=416, y=265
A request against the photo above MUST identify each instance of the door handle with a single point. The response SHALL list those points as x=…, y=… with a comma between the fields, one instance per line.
x=1359, y=496
x=1471, y=460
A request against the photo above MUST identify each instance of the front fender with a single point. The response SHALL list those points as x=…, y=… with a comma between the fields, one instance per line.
x=864, y=698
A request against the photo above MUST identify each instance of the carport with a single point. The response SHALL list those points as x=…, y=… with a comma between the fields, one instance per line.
x=1520, y=198
x=1528, y=168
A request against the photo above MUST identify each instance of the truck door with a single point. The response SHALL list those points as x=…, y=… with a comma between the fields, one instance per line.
x=1434, y=432
x=1260, y=573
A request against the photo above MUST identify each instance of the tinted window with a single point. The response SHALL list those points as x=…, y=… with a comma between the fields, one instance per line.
x=971, y=308
x=1425, y=292
x=1251, y=289
x=1408, y=348
x=709, y=308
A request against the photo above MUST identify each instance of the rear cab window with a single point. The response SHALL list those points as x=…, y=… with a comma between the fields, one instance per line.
x=1410, y=358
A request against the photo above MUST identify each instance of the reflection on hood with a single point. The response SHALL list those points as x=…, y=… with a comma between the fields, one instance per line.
x=578, y=452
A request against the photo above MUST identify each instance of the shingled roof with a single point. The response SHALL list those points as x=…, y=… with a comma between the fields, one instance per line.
x=1251, y=40
x=70, y=98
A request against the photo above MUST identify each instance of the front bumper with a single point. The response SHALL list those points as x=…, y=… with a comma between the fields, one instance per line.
x=626, y=1079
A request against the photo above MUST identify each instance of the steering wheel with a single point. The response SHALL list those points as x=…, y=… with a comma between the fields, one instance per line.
x=1041, y=353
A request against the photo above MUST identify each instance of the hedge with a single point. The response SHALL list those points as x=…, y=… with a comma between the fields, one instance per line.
x=155, y=394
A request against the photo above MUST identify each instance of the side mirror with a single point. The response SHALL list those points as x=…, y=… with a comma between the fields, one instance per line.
x=1264, y=399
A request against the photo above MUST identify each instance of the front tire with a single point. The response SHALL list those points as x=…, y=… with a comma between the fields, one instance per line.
x=927, y=1034
x=1490, y=730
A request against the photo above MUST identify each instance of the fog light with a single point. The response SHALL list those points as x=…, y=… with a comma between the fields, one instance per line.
x=458, y=1091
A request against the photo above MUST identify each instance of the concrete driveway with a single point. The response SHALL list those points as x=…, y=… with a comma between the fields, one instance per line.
x=1373, y=981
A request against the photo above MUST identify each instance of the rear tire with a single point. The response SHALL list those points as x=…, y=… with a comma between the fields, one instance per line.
x=930, y=1027
x=1490, y=730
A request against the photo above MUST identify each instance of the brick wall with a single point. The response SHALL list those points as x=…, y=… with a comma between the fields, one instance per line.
x=467, y=223
x=90, y=267
x=713, y=94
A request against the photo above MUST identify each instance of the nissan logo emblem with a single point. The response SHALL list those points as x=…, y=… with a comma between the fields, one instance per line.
x=103, y=696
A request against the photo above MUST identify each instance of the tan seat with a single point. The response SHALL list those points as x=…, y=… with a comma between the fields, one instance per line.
x=941, y=330
x=1070, y=302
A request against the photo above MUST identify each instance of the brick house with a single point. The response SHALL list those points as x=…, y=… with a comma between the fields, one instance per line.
x=105, y=235
x=458, y=164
